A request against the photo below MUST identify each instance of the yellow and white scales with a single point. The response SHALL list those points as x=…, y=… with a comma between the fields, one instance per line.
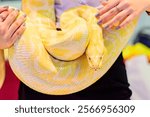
x=63, y=62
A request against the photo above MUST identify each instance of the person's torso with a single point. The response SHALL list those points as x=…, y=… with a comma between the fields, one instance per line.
x=62, y=5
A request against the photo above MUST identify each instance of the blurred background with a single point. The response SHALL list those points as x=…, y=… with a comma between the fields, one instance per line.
x=136, y=57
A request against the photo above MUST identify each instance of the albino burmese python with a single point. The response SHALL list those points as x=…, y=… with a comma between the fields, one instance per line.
x=67, y=61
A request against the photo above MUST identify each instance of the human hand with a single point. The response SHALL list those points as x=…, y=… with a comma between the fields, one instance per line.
x=120, y=12
x=10, y=27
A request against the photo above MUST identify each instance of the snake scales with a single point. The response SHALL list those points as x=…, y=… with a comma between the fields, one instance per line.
x=67, y=61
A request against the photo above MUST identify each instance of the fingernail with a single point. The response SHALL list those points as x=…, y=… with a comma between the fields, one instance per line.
x=12, y=9
x=5, y=6
x=99, y=22
x=97, y=15
x=118, y=27
x=19, y=37
x=106, y=27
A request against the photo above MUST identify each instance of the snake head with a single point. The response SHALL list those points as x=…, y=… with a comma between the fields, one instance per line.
x=95, y=62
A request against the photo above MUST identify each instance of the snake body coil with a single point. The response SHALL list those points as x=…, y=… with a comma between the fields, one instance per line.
x=67, y=61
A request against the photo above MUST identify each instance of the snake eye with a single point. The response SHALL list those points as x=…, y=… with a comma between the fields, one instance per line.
x=101, y=57
x=89, y=58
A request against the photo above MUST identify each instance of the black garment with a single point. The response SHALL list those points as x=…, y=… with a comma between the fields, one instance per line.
x=112, y=86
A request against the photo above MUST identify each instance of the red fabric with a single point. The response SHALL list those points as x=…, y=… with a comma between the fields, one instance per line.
x=9, y=91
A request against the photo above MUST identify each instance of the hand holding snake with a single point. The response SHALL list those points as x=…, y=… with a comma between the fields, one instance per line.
x=122, y=11
x=10, y=30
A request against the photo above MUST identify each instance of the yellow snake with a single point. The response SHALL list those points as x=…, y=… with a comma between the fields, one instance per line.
x=63, y=62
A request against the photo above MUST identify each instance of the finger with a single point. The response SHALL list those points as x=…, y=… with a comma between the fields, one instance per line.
x=4, y=14
x=16, y=24
x=113, y=12
x=100, y=7
x=11, y=18
x=1, y=18
x=127, y=20
x=104, y=3
x=11, y=10
x=109, y=6
x=122, y=6
x=107, y=16
x=118, y=18
x=105, y=13
x=17, y=34
x=4, y=8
